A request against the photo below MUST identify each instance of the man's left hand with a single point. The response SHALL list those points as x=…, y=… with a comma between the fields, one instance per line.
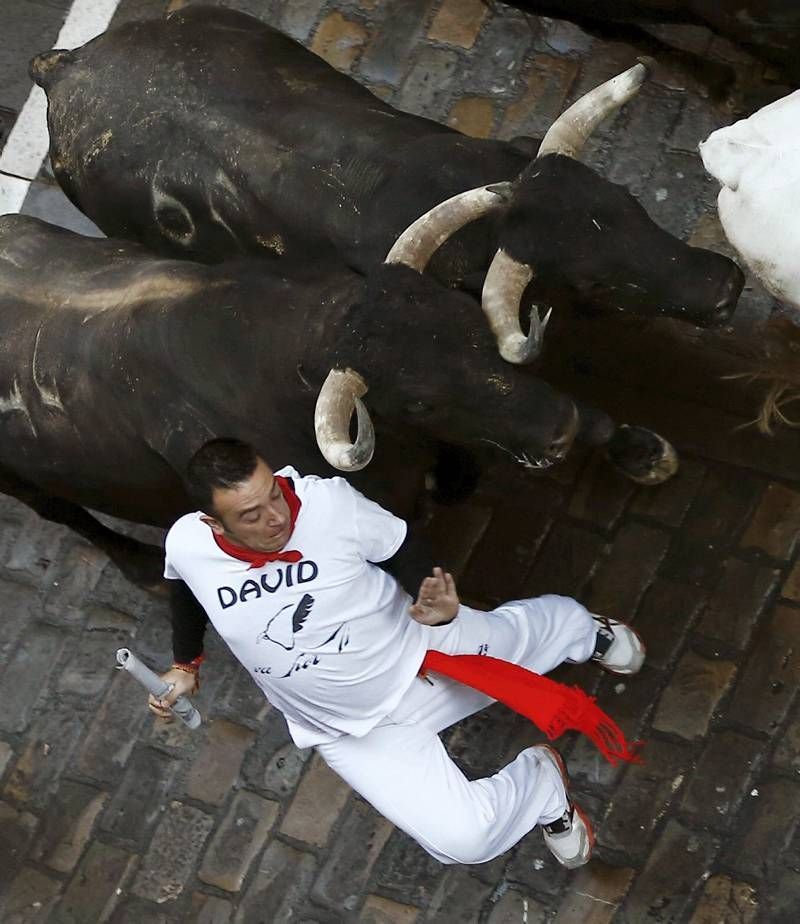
x=437, y=601
x=182, y=683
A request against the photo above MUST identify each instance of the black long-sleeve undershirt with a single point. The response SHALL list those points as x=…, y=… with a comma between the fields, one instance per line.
x=189, y=621
x=408, y=566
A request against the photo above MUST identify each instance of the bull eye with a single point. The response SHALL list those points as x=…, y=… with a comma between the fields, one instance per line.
x=173, y=218
x=417, y=407
x=174, y=222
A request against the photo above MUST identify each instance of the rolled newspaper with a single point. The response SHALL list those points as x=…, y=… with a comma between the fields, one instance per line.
x=183, y=708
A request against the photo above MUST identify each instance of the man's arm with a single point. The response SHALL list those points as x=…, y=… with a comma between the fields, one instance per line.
x=411, y=563
x=436, y=598
x=380, y=533
x=189, y=622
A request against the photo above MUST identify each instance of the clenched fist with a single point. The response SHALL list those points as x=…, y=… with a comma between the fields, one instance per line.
x=183, y=684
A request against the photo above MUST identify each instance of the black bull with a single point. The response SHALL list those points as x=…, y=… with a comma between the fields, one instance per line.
x=209, y=135
x=116, y=366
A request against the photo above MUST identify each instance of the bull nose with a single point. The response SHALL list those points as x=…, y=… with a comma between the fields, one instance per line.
x=561, y=445
x=729, y=295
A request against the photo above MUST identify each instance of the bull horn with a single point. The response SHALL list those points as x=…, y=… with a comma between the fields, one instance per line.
x=340, y=394
x=502, y=292
x=417, y=244
x=571, y=130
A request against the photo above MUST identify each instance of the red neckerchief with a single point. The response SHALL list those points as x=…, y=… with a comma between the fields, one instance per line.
x=551, y=706
x=259, y=559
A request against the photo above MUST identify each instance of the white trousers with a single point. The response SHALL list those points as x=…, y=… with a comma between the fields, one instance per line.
x=402, y=768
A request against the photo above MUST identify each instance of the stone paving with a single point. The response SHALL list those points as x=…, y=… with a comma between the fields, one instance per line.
x=106, y=816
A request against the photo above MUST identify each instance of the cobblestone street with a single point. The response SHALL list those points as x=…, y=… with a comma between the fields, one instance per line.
x=106, y=815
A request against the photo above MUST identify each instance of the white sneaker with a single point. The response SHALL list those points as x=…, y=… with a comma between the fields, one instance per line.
x=569, y=838
x=619, y=648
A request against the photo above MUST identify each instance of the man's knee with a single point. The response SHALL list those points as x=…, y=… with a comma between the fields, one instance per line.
x=573, y=617
x=464, y=843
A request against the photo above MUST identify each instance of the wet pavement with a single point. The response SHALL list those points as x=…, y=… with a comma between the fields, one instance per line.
x=106, y=816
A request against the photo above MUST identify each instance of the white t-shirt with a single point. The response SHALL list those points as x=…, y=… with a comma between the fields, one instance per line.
x=328, y=639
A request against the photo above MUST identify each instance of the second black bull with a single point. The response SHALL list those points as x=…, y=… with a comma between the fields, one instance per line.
x=117, y=366
x=209, y=134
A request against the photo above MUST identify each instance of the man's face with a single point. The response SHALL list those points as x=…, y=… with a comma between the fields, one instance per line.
x=254, y=513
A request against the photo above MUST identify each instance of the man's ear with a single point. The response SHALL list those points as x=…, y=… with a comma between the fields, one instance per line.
x=215, y=525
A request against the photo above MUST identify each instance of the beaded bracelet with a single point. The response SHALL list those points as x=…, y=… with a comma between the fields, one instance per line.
x=191, y=667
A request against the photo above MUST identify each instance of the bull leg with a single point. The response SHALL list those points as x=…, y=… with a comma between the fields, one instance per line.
x=639, y=453
x=141, y=563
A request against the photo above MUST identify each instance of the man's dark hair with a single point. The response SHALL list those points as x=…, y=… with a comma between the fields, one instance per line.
x=220, y=463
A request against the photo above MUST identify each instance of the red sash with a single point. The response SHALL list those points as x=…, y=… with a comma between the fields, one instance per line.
x=551, y=706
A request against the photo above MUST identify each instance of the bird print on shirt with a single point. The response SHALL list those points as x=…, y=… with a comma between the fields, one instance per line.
x=282, y=631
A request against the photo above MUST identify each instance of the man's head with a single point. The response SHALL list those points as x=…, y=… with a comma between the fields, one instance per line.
x=239, y=496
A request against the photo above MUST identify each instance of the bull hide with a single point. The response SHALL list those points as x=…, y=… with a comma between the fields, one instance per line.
x=209, y=134
x=117, y=366
x=757, y=163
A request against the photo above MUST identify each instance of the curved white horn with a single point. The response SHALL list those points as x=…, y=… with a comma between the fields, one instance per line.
x=502, y=291
x=571, y=130
x=417, y=244
x=340, y=394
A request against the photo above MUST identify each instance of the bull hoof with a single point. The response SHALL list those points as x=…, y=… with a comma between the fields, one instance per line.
x=641, y=455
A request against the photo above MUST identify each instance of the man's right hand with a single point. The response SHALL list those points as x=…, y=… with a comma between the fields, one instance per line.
x=437, y=601
x=183, y=684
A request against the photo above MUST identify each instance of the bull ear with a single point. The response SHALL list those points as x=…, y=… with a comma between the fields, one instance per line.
x=503, y=191
x=46, y=67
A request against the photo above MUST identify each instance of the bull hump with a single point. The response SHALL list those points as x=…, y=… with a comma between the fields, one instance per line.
x=91, y=296
x=49, y=65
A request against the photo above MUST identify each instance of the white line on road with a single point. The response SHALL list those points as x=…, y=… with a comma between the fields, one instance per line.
x=27, y=143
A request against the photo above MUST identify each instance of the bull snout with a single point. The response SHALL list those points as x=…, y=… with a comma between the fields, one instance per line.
x=562, y=443
x=713, y=301
x=728, y=296
x=545, y=456
x=560, y=446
